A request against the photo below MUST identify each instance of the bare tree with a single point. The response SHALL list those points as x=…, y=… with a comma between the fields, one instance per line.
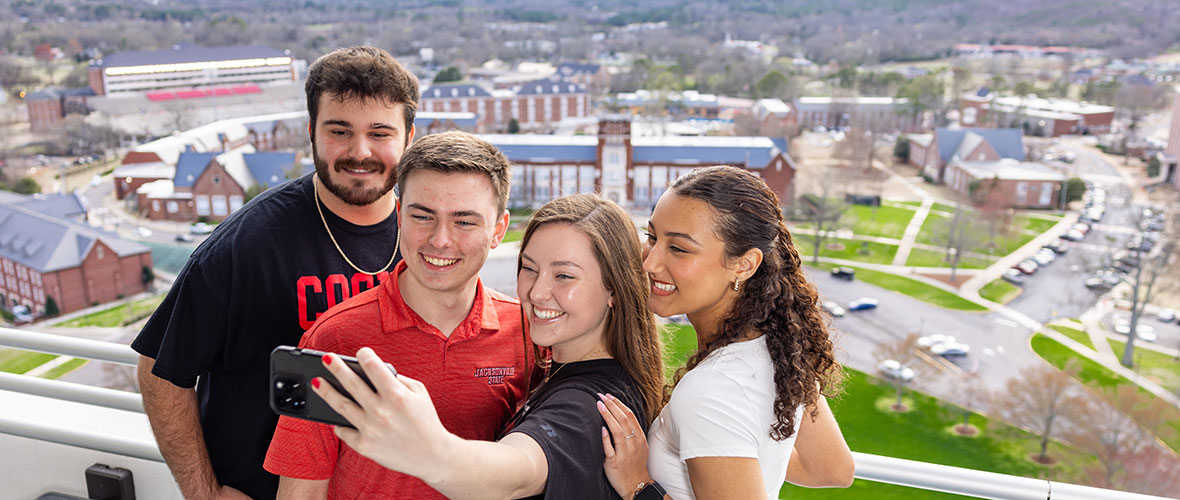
x=1156, y=272
x=1152, y=470
x=1036, y=398
x=972, y=395
x=1103, y=426
x=905, y=351
x=824, y=207
x=958, y=234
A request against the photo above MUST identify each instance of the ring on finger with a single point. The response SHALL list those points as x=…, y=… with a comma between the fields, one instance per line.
x=629, y=436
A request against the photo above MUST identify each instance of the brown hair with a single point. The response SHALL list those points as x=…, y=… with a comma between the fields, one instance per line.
x=458, y=152
x=632, y=336
x=776, y=301
x=361, y=73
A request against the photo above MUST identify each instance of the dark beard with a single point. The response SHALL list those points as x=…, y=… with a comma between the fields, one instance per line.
x=355, y=194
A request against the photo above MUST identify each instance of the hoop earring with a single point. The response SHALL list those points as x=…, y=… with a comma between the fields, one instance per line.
x=736, y=282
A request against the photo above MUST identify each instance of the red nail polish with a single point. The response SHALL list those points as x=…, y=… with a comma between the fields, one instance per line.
x=327, y=359
x=315, y=382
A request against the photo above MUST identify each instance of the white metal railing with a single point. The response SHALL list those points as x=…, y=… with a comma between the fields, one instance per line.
x=910, y=473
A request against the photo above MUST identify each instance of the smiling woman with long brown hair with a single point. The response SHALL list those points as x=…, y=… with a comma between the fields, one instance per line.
x=748, y=410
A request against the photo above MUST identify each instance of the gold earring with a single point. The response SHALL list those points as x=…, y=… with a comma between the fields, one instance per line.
x=736, y=282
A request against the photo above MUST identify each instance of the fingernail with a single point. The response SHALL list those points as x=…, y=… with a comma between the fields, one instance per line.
x=327, y=359
x=602, y=396
x=604, y=433
x=608, y=396
x=315, y=382
x=601, y=407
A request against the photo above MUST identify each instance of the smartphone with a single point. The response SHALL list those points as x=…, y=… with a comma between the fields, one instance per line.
x=291, y=371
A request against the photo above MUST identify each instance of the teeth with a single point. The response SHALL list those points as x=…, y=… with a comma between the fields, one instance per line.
x=667, y=287
x=546, y=314
x=440, y=262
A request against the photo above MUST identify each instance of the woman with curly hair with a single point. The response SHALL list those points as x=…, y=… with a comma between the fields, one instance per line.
x=748, y=411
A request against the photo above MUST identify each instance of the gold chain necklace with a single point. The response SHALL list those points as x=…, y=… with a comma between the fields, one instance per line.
x=316, y=190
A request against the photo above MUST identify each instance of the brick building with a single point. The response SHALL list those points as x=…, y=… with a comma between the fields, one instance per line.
x=533, y=105
x=631, y=170
x=878, y=113
x=933, y=152
x=1036, y=116
x=44, y=257
x=49, y=106
x=1006, y=183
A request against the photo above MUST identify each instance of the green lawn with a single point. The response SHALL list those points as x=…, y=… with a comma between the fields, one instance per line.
x=913, y=288
x=924, y=434
x=1096, y=375
x=64, y=368
x=877, y=253
x=921, y=257
x=1075, y=334
x=935, y=226
x=1034, y=224
x=1000, y=291
x=116, y=316
x=17, y=361
x=884, y=221
x=513, y=235
x=1158, y=367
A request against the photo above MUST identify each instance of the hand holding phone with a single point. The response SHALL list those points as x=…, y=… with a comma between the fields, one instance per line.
x=291, y=371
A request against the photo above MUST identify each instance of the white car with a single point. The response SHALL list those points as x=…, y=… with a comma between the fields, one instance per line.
x=833, y=308
x=201, y=228
x=893, y=369
x=1043, y=258
x=1166, y=315
x=935, y=339
x=21, y=313
x=143, y=232
x=1145, y=332
x=950, y=349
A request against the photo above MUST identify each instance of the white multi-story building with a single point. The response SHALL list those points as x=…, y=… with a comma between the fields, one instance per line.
x=188, y=67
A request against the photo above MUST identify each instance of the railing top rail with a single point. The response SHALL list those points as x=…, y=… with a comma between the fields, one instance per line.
x=69, y=346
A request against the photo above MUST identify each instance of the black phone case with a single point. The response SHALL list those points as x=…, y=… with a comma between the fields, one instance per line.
x=291, y=371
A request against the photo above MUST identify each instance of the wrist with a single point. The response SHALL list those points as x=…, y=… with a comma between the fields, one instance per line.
x=447, y=451
x=648, y=490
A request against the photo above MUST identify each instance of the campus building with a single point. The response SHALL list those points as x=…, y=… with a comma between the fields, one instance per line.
x=534, y=105
x=188, y=67
x=1007, y=183
x=933, y=152
x=1036, y=116
x=866, y=113
x=632, y=170
x=47, y=257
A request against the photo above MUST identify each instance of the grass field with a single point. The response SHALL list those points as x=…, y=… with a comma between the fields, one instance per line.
x=513, y=235
x=1000, y=291
x=921, y=257
x=18, y=361
x=64, y=368
x=877, y=253
x=913, y=288
x=884, y=221
x=935, y=226
x=1075, y=334
x=1034, y=224
x=116, y=316
x=1158, y=367
x=1096, y=375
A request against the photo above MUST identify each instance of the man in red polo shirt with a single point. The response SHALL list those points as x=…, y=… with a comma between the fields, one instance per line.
x=432, y=319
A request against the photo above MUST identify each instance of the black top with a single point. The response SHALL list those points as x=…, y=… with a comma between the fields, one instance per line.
x=262, y=278
x=562, y=418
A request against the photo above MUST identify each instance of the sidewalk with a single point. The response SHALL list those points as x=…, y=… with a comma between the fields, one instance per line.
x=911, y=232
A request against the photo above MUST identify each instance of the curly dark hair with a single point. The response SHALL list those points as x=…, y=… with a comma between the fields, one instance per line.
x=776, y=301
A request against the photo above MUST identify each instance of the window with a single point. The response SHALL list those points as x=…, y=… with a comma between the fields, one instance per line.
x=216, y=179
x=203, y=205
x=99, y=252
x=173, y=207
x=155, y=205
x=1021, y=192
x=220, y=207
x=235, y=202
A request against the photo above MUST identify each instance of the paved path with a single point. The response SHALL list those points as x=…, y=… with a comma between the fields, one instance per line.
x=911, y=232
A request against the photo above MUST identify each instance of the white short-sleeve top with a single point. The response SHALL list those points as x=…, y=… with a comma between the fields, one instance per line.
x=722, y=408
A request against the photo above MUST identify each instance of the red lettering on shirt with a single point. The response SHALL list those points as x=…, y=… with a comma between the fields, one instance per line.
x=316, y=296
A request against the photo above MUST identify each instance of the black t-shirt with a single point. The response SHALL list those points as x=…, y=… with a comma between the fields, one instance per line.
x=262, y=278
x=562, y=418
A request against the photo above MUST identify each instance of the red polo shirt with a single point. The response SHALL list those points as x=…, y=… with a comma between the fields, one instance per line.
x=475, y=377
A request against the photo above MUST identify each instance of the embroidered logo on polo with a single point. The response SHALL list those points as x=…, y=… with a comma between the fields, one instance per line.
x=495, y=375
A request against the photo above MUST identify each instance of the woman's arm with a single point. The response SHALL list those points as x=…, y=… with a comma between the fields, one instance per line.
x=712, y=478
x=397, y=427
x=821, y=458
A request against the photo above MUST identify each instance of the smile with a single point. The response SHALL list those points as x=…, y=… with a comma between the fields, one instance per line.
x=546, y=313
x=358, y=171
x=439, y=262
x=666, y=287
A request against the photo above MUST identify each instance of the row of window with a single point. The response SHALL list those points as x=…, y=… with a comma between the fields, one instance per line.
x=218, y=205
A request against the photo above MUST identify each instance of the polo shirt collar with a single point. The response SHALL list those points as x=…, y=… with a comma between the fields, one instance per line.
x=396, y=315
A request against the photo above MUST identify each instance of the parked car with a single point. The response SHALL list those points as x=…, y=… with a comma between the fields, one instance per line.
x=201, y=228
x=1026, y=267
x=893, y=369
x=1058, y=247
x=1014, y=276
x=1081, y=227
x=844, y=273
x=1122, y=326
x=929, y=341
x=22, y=314
x=1072, y=235
x=833, y=308
x=1044, y=258
x=1096, y=283
x=950, y=349
x=862, y=304
x=143, y=232
x=1166, y=315
x=184, y=238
